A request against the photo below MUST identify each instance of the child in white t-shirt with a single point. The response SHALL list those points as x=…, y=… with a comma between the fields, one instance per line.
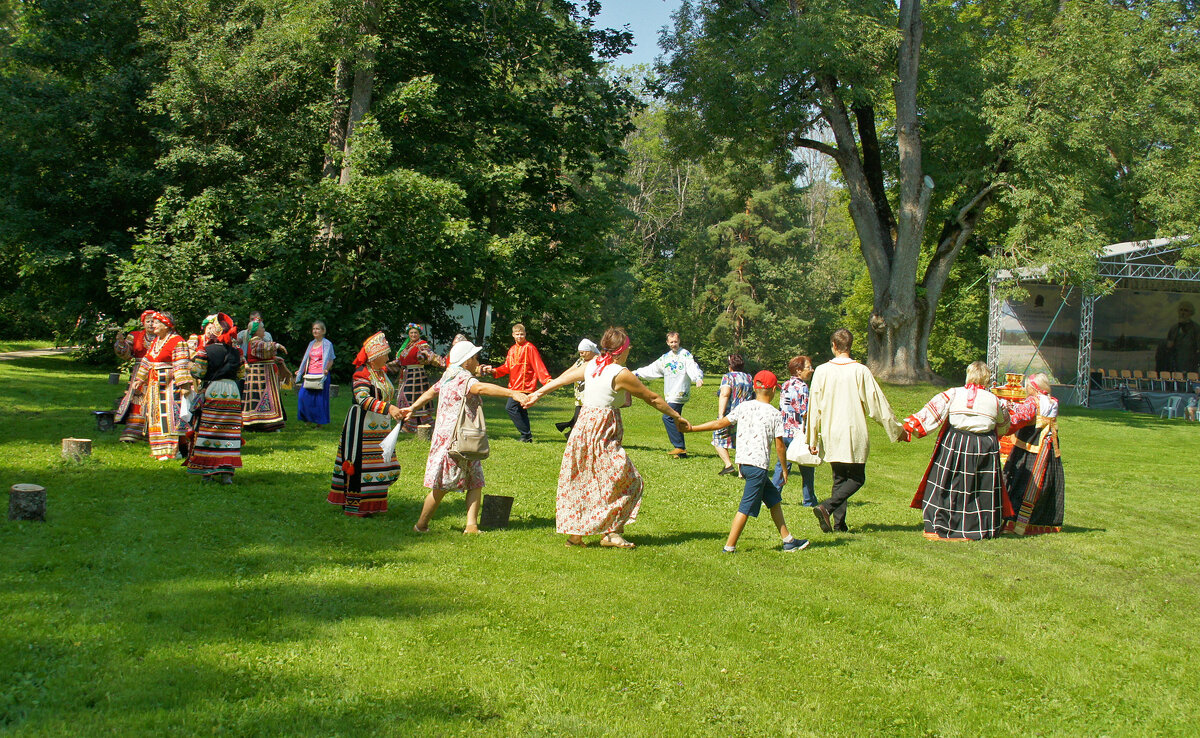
x=759, y=428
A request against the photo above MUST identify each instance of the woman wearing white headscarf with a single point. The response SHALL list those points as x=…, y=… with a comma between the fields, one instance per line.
x=443, y=473
x=1034, y=470
x=587, y=352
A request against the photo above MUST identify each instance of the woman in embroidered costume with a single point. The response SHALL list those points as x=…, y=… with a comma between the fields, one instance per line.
x=442, y=472
x=599, y=490
x=587, y=351
x=360, y=475
x=412, y=357
x=962, y=494
x=216, y=435
x=164, y=380
x=132, y=347
x=261, y=407
x=312, y=404
x=736, y=387
x=1034, y=471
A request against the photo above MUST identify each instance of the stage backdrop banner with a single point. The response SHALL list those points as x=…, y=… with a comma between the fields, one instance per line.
x=1042, y=317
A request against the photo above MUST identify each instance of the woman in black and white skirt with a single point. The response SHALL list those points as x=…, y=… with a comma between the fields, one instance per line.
x=962, y=494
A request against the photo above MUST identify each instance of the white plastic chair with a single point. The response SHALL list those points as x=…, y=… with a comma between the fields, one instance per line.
x=1173, y=408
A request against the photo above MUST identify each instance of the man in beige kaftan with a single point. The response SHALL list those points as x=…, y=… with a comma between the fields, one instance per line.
x=843, y=395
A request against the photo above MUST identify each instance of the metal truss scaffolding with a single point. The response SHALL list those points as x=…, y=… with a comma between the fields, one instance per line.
x=1084, y=367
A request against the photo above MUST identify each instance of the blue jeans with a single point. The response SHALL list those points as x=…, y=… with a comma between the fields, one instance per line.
x=673, y=432
x=806, y=479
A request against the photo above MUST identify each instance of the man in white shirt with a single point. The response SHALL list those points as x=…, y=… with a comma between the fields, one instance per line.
x=842, y=396
x=678, y=370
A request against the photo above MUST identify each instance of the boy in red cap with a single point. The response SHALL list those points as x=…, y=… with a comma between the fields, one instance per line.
x=759, y=427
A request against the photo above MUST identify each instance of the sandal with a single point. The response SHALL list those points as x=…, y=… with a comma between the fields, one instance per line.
x=616, y=540
x=418, y=529
x=576, y=544
x=471, y=531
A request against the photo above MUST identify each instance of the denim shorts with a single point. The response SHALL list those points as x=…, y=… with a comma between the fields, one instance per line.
x=759, y=489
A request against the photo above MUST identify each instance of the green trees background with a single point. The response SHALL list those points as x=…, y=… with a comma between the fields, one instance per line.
x=373, y=162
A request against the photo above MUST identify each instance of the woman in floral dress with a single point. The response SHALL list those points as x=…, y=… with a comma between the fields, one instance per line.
x=736, y=387
x=599, y=490
x=442, y=472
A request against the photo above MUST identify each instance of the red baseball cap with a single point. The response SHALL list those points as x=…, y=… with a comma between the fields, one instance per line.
x=765, y=380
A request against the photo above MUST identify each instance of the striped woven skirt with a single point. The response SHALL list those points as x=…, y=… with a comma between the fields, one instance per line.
x=131, y=410
x=360, y=475
x=416, y=382
x=962, y=495
x=261, y=407
x=217, y=445
x=161, y=406
x=1035, y=482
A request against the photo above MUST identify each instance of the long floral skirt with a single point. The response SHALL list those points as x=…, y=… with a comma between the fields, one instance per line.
x=131, y=411
x=217, y=445
x=962, y=495
x=599, y=490
x=361, y=477
x=261, y=408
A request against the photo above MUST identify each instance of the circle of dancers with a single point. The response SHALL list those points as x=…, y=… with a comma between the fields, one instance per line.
x=194, y=399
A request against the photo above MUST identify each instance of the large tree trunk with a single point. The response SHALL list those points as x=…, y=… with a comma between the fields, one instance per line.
x=364, y=82
x=337, y=120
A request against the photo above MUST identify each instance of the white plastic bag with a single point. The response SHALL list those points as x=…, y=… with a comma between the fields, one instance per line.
x=798, y=452
x=388, y=444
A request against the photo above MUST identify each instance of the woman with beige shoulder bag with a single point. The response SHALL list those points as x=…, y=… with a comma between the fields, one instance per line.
x=460, y=411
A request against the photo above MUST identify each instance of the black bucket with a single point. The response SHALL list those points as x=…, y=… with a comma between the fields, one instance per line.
x=496, y=511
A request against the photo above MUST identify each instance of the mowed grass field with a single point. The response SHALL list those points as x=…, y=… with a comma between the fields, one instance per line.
x=148, y=604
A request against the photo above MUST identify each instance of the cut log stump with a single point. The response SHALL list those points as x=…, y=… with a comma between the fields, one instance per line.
x=27, y=502
x=425, y=432
x=76, y=449
x=496, y=511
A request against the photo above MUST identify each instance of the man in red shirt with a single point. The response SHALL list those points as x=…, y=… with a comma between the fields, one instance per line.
x=526, y=370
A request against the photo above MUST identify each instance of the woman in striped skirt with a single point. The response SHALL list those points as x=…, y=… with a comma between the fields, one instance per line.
x=216, y=435
x=962, y=494
x=411, y=357
x=262, y=409
x=360, y=475
x=132, y=347
x=164, y=380
x=1034, y=471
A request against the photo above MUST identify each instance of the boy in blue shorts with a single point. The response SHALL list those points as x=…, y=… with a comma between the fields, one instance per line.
x=759, y=427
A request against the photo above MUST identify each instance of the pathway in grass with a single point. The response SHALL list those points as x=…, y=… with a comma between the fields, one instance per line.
x=149, y=604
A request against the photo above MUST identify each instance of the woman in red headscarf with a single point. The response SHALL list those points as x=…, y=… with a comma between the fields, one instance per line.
x=361, y=476
x=164, y=379
x=216, y=435
x=599, y=490
x=131, y=347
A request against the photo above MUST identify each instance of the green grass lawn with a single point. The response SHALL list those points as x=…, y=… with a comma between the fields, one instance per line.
x=148, y=604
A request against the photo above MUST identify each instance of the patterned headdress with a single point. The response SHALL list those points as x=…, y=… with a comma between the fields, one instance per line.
x=146, y=315
x=164, y=319
x=405, y=343
x=228, y=329
x=374, y=346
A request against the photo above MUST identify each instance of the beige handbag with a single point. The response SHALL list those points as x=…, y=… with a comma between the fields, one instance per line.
x=470, y=442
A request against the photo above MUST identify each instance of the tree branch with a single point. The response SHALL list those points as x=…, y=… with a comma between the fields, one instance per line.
x=824, y=148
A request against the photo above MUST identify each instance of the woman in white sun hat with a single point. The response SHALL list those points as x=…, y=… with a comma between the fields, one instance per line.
x=442, y=472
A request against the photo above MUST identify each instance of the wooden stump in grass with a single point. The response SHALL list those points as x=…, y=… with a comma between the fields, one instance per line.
x=27, y=502
x=496, y=511
x=76, y=449
x=425, y=432
x=114, y=378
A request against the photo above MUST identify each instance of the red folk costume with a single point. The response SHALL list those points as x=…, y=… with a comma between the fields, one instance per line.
x=361, y=477
x=163, y=374
x=412, y=358
x=525, y=368
x=262, y=409
x=1034, y=471
x=132, y=348
x=216, y=448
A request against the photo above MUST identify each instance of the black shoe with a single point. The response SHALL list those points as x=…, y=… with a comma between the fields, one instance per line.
x=841, y=528
x=823, y=518
x=726, y=470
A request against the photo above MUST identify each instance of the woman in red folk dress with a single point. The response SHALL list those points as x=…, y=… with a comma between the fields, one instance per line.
x=164, y=380
x=361, y=477
x=412, y=356
x=1034, y=470
x=132, y=347
x=599, y=490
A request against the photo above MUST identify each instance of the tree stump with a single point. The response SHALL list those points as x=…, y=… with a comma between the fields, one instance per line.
x=333, y=390
x=114, y=378
x=75, y=449
x=27, y=502
x=425, y=432
x=496, y=511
